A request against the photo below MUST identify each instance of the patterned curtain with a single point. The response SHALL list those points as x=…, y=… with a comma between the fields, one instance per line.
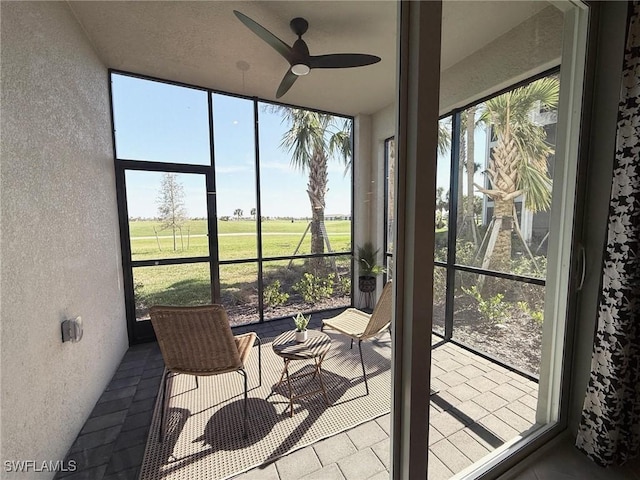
x=609, y=431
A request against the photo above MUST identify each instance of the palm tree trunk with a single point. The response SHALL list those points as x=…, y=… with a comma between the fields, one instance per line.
x=501, y=258
x=471, y=122
x=502, y=173
x=460, y=214
x=498, y=254
x=317, y=189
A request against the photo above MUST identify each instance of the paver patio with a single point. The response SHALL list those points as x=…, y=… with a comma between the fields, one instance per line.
x=478, y=405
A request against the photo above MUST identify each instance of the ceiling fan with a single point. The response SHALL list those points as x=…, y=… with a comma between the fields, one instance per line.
x=300, y=61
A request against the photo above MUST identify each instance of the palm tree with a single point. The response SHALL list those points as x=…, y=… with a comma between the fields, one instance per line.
x=238, y=213
x=466, y=220
x=313, y=139
x=442, y=205
x=518, y=163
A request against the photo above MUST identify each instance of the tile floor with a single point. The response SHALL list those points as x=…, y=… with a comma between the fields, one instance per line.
x=477, y=406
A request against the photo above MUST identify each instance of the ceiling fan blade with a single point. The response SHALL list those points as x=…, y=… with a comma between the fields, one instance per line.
x=286, y=83
x=277, y=44
x=342, y=60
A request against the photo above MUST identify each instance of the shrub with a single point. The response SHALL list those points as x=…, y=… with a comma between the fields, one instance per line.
x=345, y=285
x=523, y=265
x=235, y=297
x=314, y=288
x=536, y=315
x=493, y=308
x=466, y=253
x=274, y=296
x=439, y=285
x=138, y=295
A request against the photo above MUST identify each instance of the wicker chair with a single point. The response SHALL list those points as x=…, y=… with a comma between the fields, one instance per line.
x=198, y=341
x=363, y=326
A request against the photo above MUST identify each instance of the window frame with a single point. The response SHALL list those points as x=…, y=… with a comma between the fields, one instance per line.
x=142, y=331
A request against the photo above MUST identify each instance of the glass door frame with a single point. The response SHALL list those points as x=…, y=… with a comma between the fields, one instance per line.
x=142, y=331
x=419, y=58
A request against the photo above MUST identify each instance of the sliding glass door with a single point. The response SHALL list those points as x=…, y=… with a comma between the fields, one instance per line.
x=503, y=210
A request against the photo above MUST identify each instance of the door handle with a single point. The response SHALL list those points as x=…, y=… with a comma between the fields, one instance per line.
x=583, y=266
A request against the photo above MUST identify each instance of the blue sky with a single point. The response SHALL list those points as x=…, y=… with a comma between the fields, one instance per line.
x=167, y=123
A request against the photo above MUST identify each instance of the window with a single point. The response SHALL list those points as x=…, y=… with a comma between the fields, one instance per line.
x=215, y=207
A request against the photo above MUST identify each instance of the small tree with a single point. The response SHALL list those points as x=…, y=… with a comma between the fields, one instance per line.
x=171, y=209
x=238, y=213
x=253, y=213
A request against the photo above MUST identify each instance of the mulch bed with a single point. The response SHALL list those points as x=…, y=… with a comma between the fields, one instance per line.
x=248, y=313
x=517, y=341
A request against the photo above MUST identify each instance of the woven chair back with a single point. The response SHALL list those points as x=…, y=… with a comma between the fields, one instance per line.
x=195, y=340
x=381, y=316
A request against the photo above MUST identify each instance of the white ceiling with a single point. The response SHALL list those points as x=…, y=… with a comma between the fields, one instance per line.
x=202, y=43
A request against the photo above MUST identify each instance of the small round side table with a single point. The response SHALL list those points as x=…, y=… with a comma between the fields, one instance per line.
x=315, y=347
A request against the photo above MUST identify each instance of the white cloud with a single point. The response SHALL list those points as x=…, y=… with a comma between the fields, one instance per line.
x=233, y=169
x=283, y=167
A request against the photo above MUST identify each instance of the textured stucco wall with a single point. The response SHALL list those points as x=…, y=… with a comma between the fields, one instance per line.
x=362, y=194
x=383, y=126
x=369, y=136
x=530, y=48
x=60, y=243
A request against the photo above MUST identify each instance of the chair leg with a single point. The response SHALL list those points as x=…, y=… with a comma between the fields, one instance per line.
x=259, y=360
x=163, y=402
x=244, y=421
x=196, y=381
x=351, y=347
x=364, y=372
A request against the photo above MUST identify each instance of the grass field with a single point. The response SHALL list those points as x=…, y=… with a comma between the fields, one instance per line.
x=190, y=284
x=142, y=228
x=236, y=239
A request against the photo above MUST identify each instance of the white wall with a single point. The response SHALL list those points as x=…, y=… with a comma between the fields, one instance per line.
x=60, y=242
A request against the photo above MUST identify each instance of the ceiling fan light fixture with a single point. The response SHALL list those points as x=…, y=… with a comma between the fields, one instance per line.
x=300, y=69
x=298, y=57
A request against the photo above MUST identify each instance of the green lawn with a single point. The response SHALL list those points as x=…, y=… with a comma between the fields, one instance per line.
x=189, y=284
x=236, y=239
x=143, y=228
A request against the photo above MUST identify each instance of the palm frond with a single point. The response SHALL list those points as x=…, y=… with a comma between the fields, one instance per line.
x=537, y=185
x=511, y=117
x=444, y=137
x=313, y=132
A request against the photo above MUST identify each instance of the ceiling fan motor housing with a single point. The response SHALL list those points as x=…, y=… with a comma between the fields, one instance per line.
x=299, y=26
x=300, y=58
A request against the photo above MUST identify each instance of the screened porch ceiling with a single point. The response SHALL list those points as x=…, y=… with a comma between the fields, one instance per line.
x=202, y=43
